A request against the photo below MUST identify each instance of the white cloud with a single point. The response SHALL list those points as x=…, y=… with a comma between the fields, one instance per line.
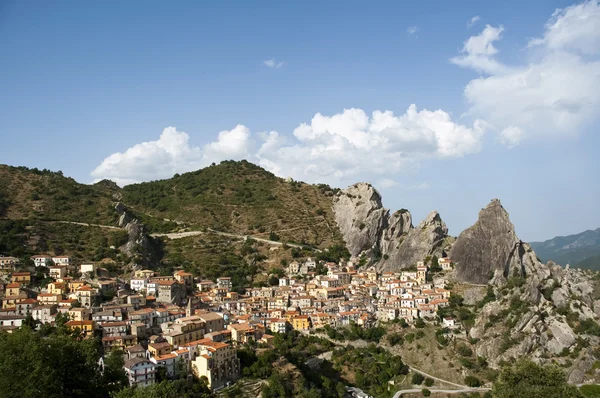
x=574, y=28
x=386, y=183
x=412, y=30
x=473, y=21
x=347, y=145
x=171, y=154
x=511, y=136
x=272, y=63
x=554, y=92
x=332, y=149
x=479, y=50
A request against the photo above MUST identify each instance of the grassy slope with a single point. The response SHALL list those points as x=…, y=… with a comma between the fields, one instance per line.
x=242, y=198
x=45, y=195
x=233, y=196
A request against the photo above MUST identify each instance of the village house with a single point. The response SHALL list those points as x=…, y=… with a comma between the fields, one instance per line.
x=44, y=313
x=41, y=260
x=61, y=260
x=86, y=327
x=87, y=269
x=57, y=271
x=24, y=278
x=140, y=372
x=218, y=362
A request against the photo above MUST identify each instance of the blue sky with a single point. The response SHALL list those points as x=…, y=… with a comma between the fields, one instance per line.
x=85, y=84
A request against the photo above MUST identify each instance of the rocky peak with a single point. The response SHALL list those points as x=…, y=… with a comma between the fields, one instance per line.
x=367, y=226
x=426, y=239
x=360, y=216
x=490, y=250
x=488, y=246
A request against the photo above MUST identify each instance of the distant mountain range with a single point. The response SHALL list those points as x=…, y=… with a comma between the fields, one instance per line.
x=580, y=250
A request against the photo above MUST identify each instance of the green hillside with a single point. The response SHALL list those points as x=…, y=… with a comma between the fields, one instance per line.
x=579, y=250
x=39, y=209
x=45, y=195
x=242, y=198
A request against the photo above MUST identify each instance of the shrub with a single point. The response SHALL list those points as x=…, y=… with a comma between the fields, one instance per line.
x=425, y=392
x=472, y=381
x=417, y=378
x=428, y=381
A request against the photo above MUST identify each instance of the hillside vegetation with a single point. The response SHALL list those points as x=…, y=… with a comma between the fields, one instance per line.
x=39, y=209
x=579, y=250
x=242, y=198
x=46, y=195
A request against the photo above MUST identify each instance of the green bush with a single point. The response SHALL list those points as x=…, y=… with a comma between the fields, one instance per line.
x=417, y=378
x=472, y=381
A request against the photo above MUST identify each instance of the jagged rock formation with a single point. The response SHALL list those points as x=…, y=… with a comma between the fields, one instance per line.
x=138, y=245
x=488, y=246
x=368, y=227
x=360, y=217
x=538, y=308
x=426, y=239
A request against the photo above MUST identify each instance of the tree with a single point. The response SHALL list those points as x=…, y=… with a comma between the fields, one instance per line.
x=114, y=377
x=417, y=378
x=55, y=366
x=526, y=379
x=425, y=392
x=428, y=381
x=472, y=381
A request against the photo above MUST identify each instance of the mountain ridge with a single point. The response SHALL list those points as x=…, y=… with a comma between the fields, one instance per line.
x=581, y=250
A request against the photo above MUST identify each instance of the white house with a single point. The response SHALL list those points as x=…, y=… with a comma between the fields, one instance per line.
x=58, y=271
x=445, y=263
x=448, y=322
x=61, y=260
x=140, y=372
x=138, y=284
x=41, y=260
x=87, y=267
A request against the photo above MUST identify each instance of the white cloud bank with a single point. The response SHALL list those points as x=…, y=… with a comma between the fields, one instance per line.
x=556, y=92
x=171, y=154
x=328, y=149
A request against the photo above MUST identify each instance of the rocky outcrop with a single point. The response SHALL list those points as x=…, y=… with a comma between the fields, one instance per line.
x=367, y=227
x=360, y=217
x=425, y=240
x=138, y=246
x=488, y=246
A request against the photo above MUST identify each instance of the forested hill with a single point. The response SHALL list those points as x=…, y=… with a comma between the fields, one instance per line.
x=235, y=197
x=242, y=198
x=580, y=250
x=42, y=194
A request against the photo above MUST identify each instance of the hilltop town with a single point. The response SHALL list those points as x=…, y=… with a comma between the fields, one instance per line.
x=179, y=323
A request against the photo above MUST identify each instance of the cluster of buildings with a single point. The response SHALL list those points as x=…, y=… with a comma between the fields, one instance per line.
x=183, y=324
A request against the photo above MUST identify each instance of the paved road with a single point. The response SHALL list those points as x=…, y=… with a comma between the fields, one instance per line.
x=398, y=394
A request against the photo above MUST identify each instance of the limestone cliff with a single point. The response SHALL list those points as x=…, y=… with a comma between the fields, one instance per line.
x=368, y=227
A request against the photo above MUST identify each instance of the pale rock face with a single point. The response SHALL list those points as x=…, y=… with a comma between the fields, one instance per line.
x=138, y=240
x=367, y=226
x=360, y=217
x=562, y=336
x=425, y=240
